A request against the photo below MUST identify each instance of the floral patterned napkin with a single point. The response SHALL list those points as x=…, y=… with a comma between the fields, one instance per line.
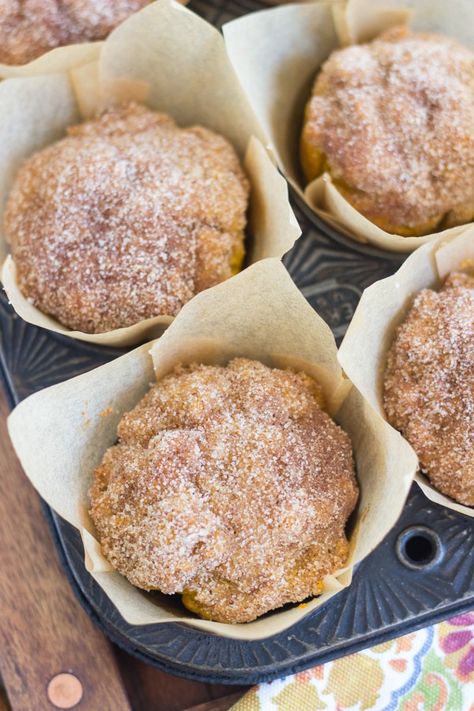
x=428, y=670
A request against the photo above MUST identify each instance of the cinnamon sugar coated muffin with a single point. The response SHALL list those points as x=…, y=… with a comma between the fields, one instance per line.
x=229, y=485
x=392, y=121
x=429, y=385
x=28, y=28
x=126, y=218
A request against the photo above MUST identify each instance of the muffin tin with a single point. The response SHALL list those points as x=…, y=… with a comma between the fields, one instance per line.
x=421, y=573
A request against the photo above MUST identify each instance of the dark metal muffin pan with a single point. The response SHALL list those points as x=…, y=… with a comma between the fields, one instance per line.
x=421, y=573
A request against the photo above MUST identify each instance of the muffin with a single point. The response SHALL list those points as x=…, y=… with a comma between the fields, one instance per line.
x=429, y=385
x=230, y=486
x=126, y=218
x=392, y=122
x=28, y=28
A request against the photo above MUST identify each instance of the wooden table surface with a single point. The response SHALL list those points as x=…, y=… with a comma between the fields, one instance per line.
x=51, y=655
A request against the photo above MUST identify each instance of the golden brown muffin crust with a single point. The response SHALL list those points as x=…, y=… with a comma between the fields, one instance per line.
x=393, y=123
x=126, y=218
x=429, y=385
x=28, y=28
x=230, y=485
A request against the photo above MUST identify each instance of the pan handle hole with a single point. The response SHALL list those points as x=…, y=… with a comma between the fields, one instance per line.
x=419, y=547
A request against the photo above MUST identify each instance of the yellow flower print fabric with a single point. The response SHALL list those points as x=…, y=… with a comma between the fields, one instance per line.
x=428, y=670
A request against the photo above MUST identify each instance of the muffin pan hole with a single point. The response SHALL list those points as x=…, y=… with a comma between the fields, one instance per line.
x=419, y=547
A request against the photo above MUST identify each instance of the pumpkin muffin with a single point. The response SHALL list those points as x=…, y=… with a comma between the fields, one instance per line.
x=392, y=122
x=126, y=218
x=429, y=385
x=230, y=486
x=28, y=28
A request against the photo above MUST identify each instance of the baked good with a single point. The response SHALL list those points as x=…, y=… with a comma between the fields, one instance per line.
x=28, y=28
x=126, y=218
x=429, y=385
x=392, y=121
x=229, y=485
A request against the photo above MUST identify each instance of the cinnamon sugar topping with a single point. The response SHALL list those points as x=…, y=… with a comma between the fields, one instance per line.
x=429, y=385
x=229, y=485
x=28, y=28
x=393, y=122
x=126, y=218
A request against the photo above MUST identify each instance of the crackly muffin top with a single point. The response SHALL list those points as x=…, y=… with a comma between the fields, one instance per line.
x=230, y=485
x=393, y=122
x=429, y=384
x=126, y=218
x=28, y=28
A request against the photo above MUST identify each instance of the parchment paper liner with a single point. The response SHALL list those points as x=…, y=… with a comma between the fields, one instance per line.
x=277, y=53
x=171, y=60
x=60, y=434
x=383, y=307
